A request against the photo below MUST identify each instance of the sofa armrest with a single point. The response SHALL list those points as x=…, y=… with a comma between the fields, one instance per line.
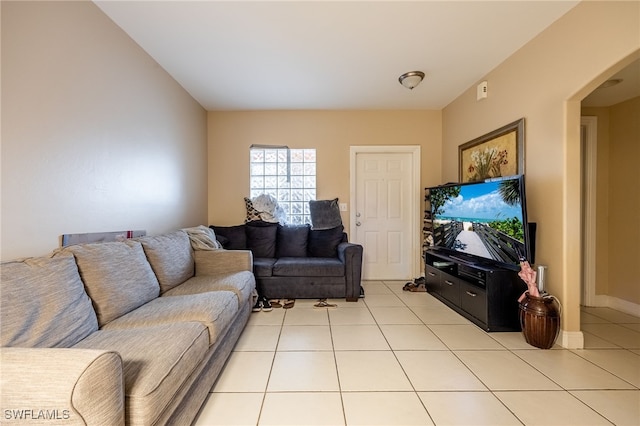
x=214, y=262
x=75, y=386
x=351, y=255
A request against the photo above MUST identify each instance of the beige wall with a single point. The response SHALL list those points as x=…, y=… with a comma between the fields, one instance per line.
x=617, y=199
x=624, y=197
x=330, y=132
x=95, y=135
x=544, y=82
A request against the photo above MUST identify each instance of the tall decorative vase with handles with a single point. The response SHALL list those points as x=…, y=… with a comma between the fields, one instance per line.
x=540, y=320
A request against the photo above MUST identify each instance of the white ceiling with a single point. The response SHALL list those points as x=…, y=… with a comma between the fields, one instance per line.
x=628, y=88
x=257, y=55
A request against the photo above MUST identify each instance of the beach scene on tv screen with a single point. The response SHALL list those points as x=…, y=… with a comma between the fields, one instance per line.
x=482, y=219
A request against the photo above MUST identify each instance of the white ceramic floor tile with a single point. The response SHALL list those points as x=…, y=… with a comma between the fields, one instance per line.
x=419, y=299
x=370, y=371
x=502, y=370
x=384, y=409
x=438, y=315
x=300, y=315
x=382, y=300
x=351, y=317
x=592, y=341
x=342, y=304
x=437, y=371
x=302, y=408
x=621, y=362
x=303, y=371
x=394, y=315
x=570, y=371
x=622, y=408
x=550, y=408
x=411, y=337
x=258, y=338
x=612, y=315
x=376, y=288
x=466, y=409
x=371, y=282
x=634, y=327
x=274, y=317
x=245, y=372
x=587, y=318
x=222, y=409
x=464, y=337
x=511, y=340
x=367, y=351
x=305, y=338
x=614, y=333
x=358, y=338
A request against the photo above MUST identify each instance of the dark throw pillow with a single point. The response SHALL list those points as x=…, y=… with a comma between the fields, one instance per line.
x=324, y=243
x=325, y=214
x=261, y=238
x=235, y=236
x=292, y=241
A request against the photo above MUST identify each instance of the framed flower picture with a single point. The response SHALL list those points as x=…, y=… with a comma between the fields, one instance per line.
x=496, y=154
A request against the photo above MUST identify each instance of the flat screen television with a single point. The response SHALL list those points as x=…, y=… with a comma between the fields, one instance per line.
x=482, y=222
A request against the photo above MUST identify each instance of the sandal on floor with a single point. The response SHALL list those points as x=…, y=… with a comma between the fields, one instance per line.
x=276, y=303
x=322, y=303
x=419, y=288
x=288, y=303
x=409, y=286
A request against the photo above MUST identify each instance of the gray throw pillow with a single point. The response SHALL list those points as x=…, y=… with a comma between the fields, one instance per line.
x=325, y=214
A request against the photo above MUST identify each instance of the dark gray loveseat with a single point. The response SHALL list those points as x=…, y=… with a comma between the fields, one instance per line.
x=297, y=262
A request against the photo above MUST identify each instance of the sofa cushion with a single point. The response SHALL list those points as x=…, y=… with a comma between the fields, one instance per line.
x=261, y=238
x=235, y=235
x=117, y=277
x=215, y=310
x=43, y=303
x=308, y=267
x=263, y=267
x=241, y=283
x=325, y=214
x=156, y=360
x=171, y=258
x=324, y=243
x=292, y=241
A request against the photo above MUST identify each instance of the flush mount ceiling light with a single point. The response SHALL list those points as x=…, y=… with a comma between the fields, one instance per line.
x=610, y=83
x=411, y=79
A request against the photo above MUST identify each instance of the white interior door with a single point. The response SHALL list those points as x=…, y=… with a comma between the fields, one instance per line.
x=383, y=217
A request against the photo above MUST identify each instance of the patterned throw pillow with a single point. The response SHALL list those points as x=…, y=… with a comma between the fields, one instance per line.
x=252, y=213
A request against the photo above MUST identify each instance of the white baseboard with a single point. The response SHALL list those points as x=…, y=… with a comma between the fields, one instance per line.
x=571, y=339
x=604, y=301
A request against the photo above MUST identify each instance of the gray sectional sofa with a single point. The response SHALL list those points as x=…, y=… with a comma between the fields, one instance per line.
x=132, y=332
x=297, y=262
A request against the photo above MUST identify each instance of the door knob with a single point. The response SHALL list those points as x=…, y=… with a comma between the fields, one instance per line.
x=357, y=214
x=358, y=223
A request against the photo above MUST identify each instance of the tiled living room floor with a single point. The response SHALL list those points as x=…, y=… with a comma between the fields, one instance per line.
x=401, y=358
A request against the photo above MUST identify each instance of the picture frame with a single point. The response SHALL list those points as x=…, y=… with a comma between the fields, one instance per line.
x=496, y=154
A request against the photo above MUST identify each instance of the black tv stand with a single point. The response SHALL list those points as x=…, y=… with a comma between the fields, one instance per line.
x=484, y=293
